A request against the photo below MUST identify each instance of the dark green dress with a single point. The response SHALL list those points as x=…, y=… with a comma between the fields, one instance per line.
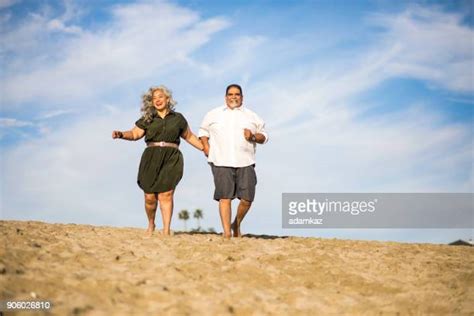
x=161, y=168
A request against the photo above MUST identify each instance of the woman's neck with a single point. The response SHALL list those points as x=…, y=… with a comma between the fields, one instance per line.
x=163, y=113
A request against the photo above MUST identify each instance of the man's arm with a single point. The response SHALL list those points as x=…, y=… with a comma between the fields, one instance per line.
x=204, y=133
x=261, y=135
x=255, y=138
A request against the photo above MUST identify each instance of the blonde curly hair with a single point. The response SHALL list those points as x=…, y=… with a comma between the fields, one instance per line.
x=148, y=109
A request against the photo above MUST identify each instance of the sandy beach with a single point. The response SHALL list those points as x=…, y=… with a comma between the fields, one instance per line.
x=92, y=270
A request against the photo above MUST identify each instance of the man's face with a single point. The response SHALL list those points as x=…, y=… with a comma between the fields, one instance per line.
x=233, y=98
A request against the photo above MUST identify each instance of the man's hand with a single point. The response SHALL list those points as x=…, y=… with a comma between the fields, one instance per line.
x=205, y=144
x=248, y=134
x=206, y=150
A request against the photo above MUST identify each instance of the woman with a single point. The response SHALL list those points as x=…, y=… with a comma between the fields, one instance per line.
x=161, y=165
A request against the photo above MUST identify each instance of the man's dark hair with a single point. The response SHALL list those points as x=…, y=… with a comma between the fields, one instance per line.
x=234, y=85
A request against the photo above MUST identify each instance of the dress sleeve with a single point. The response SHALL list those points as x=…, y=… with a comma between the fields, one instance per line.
x=183, y=124
x=141, y=123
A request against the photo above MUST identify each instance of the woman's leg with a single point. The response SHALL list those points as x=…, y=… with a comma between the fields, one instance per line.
x=150, y=208
x=166, y=206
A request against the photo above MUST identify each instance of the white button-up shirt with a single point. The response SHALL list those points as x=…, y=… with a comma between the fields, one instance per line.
x=225, y=128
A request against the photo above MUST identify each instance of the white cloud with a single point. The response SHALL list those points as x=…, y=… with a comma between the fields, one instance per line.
x=55, y=113
x=140, y=40
x=434, y=46
x=7, y=3
x=23, y=36
x=11, y=122
x=11, y=127
x=57, y=25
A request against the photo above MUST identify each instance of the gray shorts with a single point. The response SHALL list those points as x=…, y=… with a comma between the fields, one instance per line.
x=234, y=182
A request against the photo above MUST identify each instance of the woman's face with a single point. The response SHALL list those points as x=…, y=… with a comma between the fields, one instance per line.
x=160, y=100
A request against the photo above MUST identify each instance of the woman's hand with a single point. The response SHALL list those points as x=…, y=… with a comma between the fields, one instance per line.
x=133, y=134
x=206, y=150
x=117, y=134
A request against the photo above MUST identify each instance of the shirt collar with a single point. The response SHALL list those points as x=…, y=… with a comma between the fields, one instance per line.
x=171, y=112
x=225, y=107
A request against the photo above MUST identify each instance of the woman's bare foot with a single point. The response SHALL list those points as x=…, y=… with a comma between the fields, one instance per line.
x=236, y=230
x=150, y=230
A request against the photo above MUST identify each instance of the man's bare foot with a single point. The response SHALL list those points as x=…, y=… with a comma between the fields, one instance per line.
x=150, y=230
x=226, y=236
x=236, y=230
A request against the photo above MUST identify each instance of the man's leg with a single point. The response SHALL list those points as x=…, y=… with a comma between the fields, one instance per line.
x=166, y=206
x=224, y=183
x=246, y=181
x=226, y=212
x=150, y=208
x=242, y=210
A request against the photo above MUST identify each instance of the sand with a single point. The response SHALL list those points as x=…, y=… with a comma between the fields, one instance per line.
x=92, y=270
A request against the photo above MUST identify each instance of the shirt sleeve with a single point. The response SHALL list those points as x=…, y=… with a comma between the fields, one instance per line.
x=261, y=128
x=141, y=123
x=204, y=127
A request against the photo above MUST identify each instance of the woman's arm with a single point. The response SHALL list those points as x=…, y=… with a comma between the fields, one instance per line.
x=192, y=139
x=134, y=134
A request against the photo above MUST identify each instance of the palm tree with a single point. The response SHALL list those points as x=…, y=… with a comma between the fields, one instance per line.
x=184, y=215
x=198, y=215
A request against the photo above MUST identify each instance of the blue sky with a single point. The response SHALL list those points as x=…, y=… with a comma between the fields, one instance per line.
x=358, y=96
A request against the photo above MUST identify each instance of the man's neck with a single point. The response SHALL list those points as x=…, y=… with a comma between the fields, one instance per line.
x=234, y=108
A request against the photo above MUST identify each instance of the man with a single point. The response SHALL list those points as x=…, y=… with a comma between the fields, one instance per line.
x=229, y=135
